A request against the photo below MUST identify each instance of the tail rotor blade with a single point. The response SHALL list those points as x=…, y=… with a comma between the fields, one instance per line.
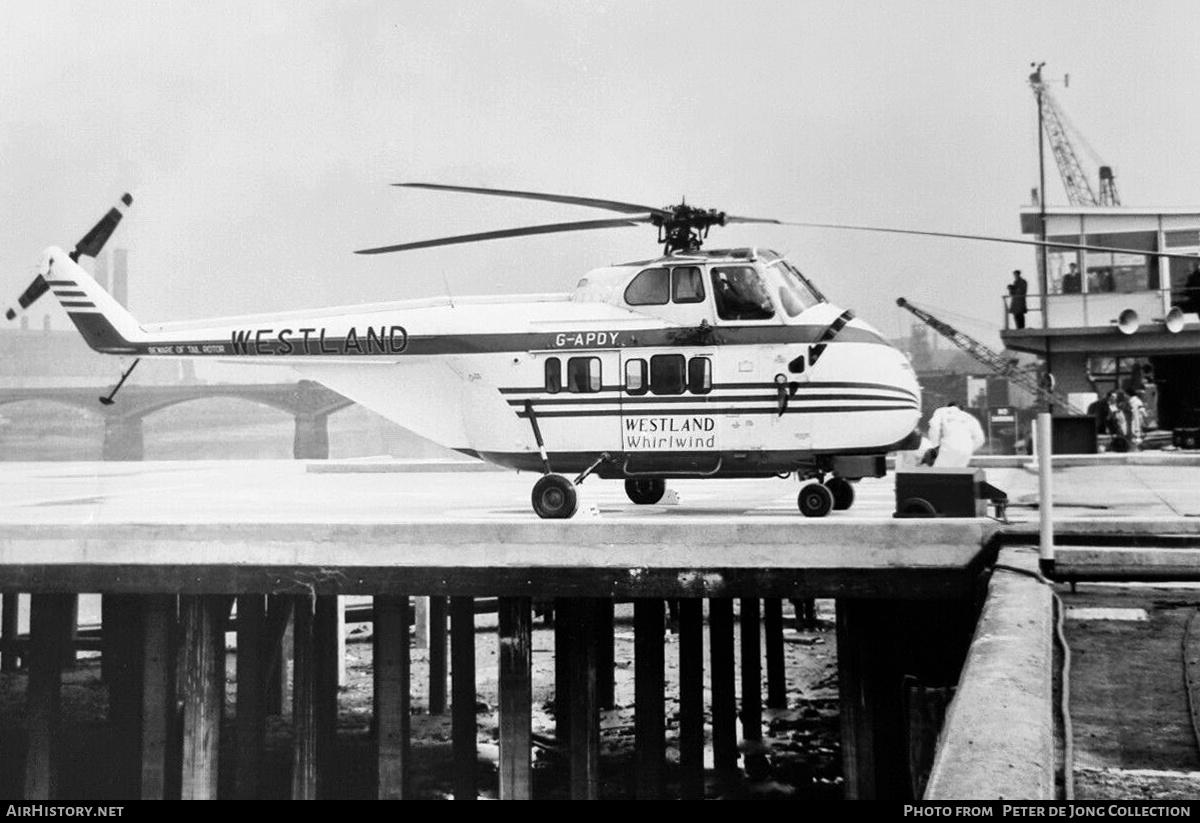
x=94, y=240
x=35, y=290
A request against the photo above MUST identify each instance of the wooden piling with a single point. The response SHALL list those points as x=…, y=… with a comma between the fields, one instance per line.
x=202, y=692
x=50, y=617
x=462, y=696
x=158, y=695
x=516, y=697
x=691, y=699
x=605, y=653
x=649, y=718
x=724, y=698
x=392, y=672
x=437, y=655
x=751, y=658
x=9, y=659
x=773, y=640
x=121, y=664
x=584, y=749
x=252, y=660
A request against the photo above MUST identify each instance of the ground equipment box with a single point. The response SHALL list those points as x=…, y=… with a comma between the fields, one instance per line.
x=934, y=492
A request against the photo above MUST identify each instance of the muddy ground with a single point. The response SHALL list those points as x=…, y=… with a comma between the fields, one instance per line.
x=803, y=739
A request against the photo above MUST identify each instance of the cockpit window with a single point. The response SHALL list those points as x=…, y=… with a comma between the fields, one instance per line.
x=796, y=294
x=650, y=288
x=687, y=285
x=741, y=294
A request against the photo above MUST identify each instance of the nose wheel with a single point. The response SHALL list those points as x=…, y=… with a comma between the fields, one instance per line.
x=554, y=497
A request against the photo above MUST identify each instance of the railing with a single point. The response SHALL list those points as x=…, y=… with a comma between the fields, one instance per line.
x=1103, y=309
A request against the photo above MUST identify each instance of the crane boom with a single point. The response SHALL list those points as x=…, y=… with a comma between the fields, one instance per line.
x=1001, y=365
x=1075, y=181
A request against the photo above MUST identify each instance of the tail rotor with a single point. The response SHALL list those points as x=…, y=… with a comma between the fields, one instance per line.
x=89, y=245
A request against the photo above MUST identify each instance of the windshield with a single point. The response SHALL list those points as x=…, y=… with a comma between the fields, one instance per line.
x=741, y=294
x=796, y=294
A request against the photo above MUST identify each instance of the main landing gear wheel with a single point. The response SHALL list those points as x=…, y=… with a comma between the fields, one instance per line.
x=842, y=491
x=815, y=500
x=554, y=497
x=645, y=491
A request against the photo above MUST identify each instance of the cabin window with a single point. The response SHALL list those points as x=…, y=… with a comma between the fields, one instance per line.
x=667, y=374
x=553, y=375
x=699, y=375
x=650, y=288
x=687, y=285
x=583, y=374
x=741, y=294
x=635, y=376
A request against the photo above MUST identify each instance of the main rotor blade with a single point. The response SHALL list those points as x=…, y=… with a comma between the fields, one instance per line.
x=611, y=205
x=731, y=218
x=550, y=228
x=991, y=239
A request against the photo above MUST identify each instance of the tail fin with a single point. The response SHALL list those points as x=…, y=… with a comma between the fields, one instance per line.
x=104, y=323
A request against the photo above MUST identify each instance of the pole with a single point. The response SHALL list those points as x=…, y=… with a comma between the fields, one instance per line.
x=1044, y=275
x=1045, y=494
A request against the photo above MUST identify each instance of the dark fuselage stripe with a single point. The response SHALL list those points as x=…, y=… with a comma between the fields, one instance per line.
x=676, y=412
x=798, y=397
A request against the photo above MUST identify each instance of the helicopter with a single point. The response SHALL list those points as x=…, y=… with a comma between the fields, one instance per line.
x=695, y=363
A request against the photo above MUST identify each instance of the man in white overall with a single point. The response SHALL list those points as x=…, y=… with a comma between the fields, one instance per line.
x=957, y=435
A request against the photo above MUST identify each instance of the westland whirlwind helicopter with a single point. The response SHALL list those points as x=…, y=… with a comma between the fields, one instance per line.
x=697, y=363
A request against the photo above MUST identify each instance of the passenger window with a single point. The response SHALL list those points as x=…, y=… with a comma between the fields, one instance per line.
x=583, y=374
x=649, y=288
x=553, y=375
x=667, y=374
x=741, y=294
x=699, y=375
x=635, y=377
x=687, y=285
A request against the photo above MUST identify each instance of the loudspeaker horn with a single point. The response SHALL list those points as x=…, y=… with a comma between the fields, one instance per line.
x=1174, y=320
x=1127, y=323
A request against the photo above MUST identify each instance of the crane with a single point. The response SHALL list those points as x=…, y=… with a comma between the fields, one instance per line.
x=1001, y=365
x=1056, y=126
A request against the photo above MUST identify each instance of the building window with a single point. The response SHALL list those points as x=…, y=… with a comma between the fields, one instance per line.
x=687, y=285
x=553, y=375
x=583, y=374
x=650, y=288
x=635, y=376
x=699, y=375
x=667, y=374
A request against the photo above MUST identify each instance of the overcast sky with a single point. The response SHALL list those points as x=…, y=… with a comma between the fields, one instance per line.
x=259, y=138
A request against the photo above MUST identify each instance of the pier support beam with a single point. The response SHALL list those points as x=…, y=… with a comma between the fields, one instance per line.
x=584, y=749
x=50, y=618
x=159, y=712
x=773, y=637
x=393, y=681
x=437, y=654
x=649, y=713
x=202, y=692
x=252, y=660
x=516, y=697
x=9, y=658
x=724, y=698
x=691, y=699
x=462, y=696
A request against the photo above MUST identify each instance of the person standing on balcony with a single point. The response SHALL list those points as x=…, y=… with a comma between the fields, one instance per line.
x=1016, y=301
